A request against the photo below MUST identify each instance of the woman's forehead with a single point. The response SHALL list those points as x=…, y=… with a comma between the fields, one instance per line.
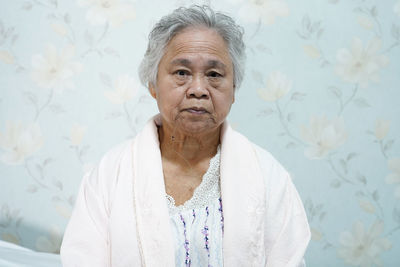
x=197, y=43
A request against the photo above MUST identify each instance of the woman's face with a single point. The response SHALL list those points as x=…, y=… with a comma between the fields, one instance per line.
x=194, y=89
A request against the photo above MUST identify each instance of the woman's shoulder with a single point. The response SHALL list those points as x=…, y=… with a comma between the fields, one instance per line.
x=116, y=153
x=103, y=179
x=272, y=170
x=108, y=166
x=269, y=165
x=267, y=159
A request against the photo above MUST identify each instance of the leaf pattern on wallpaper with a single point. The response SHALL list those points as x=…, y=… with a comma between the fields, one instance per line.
x=10, y=222
x=261, y=11
x=38, y=171
x=113, y=12
x=368, y=18
x=123, y=89
x=326, y=93
x=327, y=138
x=394, y=177
x=75, y=139
x=277, y=87
x=380, y=133
x=19, y=143
x=109, y=14
x=316, y=216
x=359, y=66
x=312, y=32
x=395, y=31
x=60, y=22
x=54, y=72
x=8, y=40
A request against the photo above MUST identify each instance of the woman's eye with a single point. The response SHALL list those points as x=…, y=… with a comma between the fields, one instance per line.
x=181, y=72
x=214, y=74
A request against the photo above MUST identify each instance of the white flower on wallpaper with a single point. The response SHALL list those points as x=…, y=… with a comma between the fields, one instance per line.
x=396, y=8
x=362, y=247
x=361, y=64
x=366, y=206
x=394, y=177
x=63, y=210
x=315, y=234
x=113, y=12
x=365, y=22
x=125, y=88
x=6, y=57
x=56, y=68
x=19, y=141
x=322, y=136
x=381, y=128
x=312, y=51
x=50, y=243
x=77, y=133
x=262, y=10
x=59, y=28
x=278, y=85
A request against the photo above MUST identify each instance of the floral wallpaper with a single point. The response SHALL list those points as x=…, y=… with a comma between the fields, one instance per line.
x=321, y=93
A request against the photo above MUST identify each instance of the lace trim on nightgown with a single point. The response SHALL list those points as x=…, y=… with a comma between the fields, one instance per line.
x=205, y=193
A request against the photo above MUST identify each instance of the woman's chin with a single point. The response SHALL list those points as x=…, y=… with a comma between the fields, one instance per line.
x=195, y=128
x=194, y=124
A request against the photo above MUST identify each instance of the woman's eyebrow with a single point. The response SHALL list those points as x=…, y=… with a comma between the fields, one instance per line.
x=210, y=63
x=216, y=64
x=181, y=61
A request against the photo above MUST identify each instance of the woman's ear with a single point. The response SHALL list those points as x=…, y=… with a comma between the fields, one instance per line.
x=152, y=90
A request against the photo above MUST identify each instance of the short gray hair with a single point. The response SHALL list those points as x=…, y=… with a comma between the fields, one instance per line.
x=194, y=16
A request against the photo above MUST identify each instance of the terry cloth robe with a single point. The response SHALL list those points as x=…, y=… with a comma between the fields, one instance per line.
x=121, y=215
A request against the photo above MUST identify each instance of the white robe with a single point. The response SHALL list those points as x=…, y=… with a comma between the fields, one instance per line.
x=121, y=216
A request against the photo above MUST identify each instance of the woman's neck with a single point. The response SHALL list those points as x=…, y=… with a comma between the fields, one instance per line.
x=180, y=147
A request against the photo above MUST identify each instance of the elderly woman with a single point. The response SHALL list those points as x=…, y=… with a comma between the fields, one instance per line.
x=188, y=190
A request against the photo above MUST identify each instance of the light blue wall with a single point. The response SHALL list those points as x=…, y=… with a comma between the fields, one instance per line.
x=321, y=93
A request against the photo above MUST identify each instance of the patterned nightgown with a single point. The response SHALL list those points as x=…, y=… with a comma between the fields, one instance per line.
x=198, y=225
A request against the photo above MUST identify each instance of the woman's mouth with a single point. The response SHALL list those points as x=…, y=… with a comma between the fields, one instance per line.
x=195, y=110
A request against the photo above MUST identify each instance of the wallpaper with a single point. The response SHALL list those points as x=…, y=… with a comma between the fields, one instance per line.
x=321, y=93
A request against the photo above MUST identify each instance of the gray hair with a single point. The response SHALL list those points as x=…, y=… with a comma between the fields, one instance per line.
x=194, y=16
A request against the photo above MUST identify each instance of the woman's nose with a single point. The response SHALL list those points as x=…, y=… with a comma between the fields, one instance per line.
x=198, y=89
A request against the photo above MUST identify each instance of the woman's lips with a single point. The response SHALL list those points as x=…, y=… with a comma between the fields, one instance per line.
x=195, y=110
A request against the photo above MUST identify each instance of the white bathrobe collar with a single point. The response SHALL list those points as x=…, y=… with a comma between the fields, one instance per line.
x=242, y=192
